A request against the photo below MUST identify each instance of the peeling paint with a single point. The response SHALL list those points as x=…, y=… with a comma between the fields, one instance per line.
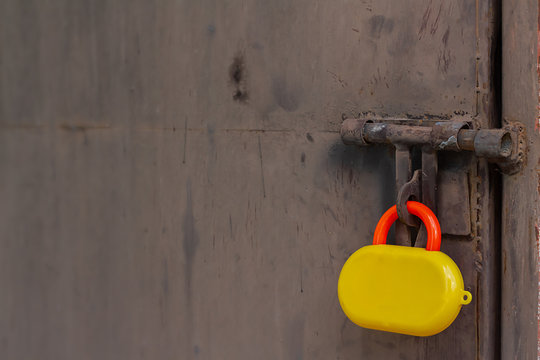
x=452, y=140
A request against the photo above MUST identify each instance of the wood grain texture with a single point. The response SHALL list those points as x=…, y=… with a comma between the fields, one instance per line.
x=173, y=184
x=521, y=196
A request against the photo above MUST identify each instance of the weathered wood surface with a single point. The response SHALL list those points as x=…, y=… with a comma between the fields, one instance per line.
x=521, y=195
x=173, y=184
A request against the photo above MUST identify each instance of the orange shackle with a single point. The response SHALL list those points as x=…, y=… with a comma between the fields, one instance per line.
x=415, y=208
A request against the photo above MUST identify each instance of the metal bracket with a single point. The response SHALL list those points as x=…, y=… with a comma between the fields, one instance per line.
x=403, y=174
x=430, y=169
x=411, y=190
x=518, y=157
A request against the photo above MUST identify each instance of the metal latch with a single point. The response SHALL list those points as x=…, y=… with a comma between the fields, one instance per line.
x=504, y=147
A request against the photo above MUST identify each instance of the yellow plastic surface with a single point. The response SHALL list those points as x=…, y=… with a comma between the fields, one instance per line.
x=401, y=289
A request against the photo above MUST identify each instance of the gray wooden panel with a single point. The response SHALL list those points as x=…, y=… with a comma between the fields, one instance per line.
x=173, y=184
x=521, y=195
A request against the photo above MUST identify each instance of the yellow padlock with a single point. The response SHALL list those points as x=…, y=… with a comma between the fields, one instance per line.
x=406, y=290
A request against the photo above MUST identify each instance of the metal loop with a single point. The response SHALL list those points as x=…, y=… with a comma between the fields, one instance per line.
x=411, y=189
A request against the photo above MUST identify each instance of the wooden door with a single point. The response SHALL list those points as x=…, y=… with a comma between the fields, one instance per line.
x=174, y=185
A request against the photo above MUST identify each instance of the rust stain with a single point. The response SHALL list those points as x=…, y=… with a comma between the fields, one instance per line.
x=425, y=19
x=537, y=124
x=337, y=78
x=435, y=24
x=538, y=174
x=444, y=60
x=425, y=23
x=445, y=37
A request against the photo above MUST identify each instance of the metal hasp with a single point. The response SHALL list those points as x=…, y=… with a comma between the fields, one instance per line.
x=501, y=146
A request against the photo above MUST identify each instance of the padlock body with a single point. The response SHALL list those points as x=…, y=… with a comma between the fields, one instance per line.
x=401, y=289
